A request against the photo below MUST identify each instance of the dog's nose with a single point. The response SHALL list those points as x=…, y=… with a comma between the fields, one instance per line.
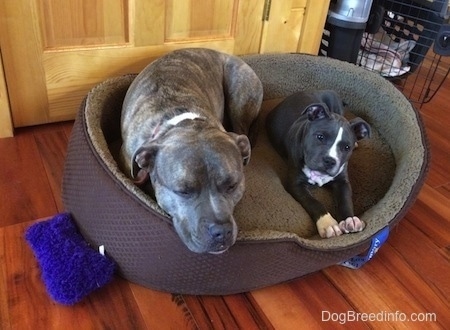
x=329, y=162
x=220, y=233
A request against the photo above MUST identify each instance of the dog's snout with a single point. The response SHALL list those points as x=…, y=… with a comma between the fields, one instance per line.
x=329, y=162
x=220, y=233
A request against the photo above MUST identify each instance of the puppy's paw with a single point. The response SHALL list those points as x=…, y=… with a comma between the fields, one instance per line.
x=328, y=227
x=352, y=225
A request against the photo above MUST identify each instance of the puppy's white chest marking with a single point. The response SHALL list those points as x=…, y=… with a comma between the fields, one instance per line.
x=333, y=152
x=316, y=177
x=184, y=116
x=319, y=178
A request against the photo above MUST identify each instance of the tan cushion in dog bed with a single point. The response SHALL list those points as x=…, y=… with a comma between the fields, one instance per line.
x=277, y=241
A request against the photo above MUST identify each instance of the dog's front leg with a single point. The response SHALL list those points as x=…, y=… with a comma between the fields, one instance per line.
x=342, y=193
x=326, y=225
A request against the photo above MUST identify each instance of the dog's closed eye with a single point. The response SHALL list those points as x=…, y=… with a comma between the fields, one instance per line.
x=229, y=184
x=186, y=190
x=232, y=187
x=184, y=193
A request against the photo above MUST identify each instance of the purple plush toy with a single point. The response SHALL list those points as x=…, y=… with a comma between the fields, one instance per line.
x=71, y=269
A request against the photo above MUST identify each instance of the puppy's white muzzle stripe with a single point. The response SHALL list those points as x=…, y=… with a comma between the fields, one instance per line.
x=334, y=148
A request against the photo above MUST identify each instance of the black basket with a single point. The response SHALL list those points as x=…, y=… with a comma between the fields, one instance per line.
x=417, y=21
x=397, y=43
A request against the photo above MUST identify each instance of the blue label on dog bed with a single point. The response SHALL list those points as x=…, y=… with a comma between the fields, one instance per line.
x=377, y=241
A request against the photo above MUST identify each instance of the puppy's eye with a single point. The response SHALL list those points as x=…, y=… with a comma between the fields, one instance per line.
x=346, y=147
x=320, y=137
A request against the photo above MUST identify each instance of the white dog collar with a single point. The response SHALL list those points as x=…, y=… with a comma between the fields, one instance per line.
x=184, y=116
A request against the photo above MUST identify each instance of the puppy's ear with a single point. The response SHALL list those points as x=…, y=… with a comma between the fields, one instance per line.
x=144, y=159
x=317, y=111
x=244, y=146
x=361, y=129
x=332, y=100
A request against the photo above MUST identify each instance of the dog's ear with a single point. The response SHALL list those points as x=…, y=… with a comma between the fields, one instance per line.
x=144, y=159
x=361, y=128
x=317, y=111
x=244, y=146
x=332, y=100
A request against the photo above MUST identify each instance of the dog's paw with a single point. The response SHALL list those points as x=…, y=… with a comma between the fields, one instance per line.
x=328, y=227
x=352, y=225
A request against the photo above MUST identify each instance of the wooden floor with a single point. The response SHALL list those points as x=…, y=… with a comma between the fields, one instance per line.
x=408, y=279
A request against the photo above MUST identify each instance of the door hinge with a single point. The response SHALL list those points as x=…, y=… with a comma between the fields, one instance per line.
x=266, y=12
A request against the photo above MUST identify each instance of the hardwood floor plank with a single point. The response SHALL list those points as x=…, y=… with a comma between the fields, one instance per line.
x=439, y=138
x=387, y=280
x=427, y=215
x=226, y=312
x=25, y=193
x=162, y=310
x=425, y=257
x=282, y=308
x=374, y=290
x=217, y=311
x=24, y=289
x=414, y=283
x=437, y=121
x=250, y=316
x=437, y=107
x=195, y=306
x=53, y=146
x=300, y=304
x=444, y=190
x=5, y=322
x=114, y=307
x=67, y=127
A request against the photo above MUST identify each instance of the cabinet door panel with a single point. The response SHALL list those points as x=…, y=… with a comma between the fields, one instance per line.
x=190, y=19
x=54, y=51
x=77, y=23
x=294, y=26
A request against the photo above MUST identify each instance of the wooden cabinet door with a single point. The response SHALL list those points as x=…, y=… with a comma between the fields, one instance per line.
x=293, y=26
x=55, y=51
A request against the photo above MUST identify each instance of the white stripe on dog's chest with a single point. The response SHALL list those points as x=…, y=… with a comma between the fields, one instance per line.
x=334, y=148
x=316, y=177
x=179, y=118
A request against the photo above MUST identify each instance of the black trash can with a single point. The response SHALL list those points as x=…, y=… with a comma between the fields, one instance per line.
x=344, y=28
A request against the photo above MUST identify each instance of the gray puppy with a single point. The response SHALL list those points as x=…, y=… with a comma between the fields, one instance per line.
x=309, y=130
x=173, y=132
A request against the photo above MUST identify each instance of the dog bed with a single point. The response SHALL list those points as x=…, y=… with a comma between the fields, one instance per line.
x=277, y=241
